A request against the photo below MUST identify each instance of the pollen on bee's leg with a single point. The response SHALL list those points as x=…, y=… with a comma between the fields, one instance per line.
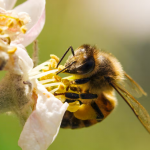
x=85, y=112
x=74, y=106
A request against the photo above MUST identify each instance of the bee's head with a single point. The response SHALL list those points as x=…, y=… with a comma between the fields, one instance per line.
x=82, y=62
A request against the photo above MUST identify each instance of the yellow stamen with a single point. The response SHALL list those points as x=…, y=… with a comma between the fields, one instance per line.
x=20, y=23
x=49, y=76
x=1, y=30
x=8, y=40
x=54, y=57
x=60, y=67
x=49, y=66
x=2, y=18
x=52, y=84
x=23, y=29
x=53, y=63
x=12, y=51
x=49, y=88
x=5, y=16
x=10, y=23
x=57, y=78
x=45, y=69
x=54, y=90
x=47, y=81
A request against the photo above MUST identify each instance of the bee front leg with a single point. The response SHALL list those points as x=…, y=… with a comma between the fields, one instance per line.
x=81, y=81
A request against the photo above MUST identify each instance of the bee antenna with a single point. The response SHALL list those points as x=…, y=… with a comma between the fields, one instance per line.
x=65, y=68
x=65, y=55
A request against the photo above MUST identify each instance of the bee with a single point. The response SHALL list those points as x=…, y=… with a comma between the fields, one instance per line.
x=97, y=75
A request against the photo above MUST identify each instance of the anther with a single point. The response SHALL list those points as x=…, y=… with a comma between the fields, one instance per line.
x=20, y=23
x=60, y=67
x=23, y=29
x=1, y=30
x=10, y=23
x=12, y=51
x=53, y=63
x=54, y=57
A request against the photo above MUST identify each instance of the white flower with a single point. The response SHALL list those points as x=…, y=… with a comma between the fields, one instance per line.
x=38, y=110
x=43, y=124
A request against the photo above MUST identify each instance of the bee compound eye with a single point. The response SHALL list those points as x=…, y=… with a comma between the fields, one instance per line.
x=87, y=67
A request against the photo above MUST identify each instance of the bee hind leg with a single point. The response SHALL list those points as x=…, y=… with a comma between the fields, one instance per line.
x=72, y=97
x=100, y=115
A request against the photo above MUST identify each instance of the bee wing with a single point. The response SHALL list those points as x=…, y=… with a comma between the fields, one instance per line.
x=136, y=107
x=132, y=86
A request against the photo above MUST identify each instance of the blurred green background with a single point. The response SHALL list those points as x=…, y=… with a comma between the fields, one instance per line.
x=75, y=22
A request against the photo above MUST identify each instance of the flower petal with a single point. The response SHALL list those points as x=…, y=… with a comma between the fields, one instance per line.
x=43, y=124
x=37, y=17
x=7, y=4
x=25, y=62
x=33, y=33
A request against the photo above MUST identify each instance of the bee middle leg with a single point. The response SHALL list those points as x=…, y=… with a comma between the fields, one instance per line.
x=83, y=96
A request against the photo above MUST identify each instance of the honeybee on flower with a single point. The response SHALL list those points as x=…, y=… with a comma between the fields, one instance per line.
x=89, y=90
